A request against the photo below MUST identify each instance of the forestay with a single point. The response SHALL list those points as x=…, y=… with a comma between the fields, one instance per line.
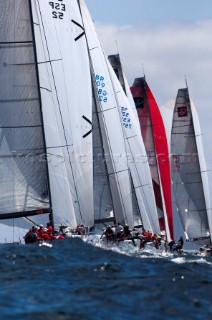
x=188, y=169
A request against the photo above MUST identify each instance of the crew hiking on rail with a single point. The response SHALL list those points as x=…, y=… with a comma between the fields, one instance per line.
x=40, y=234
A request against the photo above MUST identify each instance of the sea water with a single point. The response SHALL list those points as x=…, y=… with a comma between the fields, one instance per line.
x=78, y=281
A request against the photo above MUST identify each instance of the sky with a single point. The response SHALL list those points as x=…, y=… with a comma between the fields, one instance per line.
x=167, y=40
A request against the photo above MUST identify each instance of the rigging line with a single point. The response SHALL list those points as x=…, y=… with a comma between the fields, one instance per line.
x=102, y=111
x=42, y=148
x=21, y=64
x=142, y=186
x=116, y=172
x=16, y=42
x=26, y=218
x=92, y=48
x=49, y=61
x=19, y=100
x=198, y=210
x=46, y=89
x=131, y=137
x=75, y=187
x=20, y=155
x=61, y=146
x=20, y=127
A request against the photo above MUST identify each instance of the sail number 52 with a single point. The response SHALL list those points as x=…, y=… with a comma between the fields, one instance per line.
x=58, y=9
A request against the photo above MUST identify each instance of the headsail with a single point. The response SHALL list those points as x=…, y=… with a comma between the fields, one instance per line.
x=189, y=174
x=137, y=159
x=154, y=136
x=109, y=117
x=66, y=93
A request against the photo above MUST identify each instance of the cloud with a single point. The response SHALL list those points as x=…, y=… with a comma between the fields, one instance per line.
x=169, y=52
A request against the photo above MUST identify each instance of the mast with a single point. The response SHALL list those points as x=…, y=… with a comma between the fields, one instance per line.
x=51, y=217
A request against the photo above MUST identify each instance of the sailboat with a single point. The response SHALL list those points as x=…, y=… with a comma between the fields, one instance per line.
x=63, y=148
x=189, y=172
x=141, y=177
x=50, y=91
x=154, y=136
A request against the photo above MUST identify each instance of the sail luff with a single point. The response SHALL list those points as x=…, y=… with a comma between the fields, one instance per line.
x=51, y=217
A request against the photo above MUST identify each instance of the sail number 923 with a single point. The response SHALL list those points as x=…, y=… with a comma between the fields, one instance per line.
x=58, y=9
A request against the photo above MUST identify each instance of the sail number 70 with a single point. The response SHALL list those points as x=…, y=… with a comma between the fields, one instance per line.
x=57, y=9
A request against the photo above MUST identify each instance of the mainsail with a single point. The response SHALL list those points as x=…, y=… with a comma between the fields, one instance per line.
x=189, y=174
x=137, y=159
x=24, y=176
x=154, y=136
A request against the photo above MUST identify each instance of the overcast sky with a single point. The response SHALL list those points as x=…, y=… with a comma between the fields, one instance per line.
x=171, y=39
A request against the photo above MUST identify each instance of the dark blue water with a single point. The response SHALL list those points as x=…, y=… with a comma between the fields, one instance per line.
x=74, y=280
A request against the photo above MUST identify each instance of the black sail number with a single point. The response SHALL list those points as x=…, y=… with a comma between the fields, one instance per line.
x=58, y=9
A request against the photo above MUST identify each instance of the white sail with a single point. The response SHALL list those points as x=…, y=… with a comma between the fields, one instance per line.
x=117, y=67
x=108, y=113
x=138, y=163
x=189, y=173
x=66, y=94
x=202, y=163
x=131, y=100
x=167, y=111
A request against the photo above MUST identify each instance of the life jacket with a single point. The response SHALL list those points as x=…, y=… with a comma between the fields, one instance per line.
x=30, y=237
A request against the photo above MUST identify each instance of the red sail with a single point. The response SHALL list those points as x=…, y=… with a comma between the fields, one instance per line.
x=154, y=136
